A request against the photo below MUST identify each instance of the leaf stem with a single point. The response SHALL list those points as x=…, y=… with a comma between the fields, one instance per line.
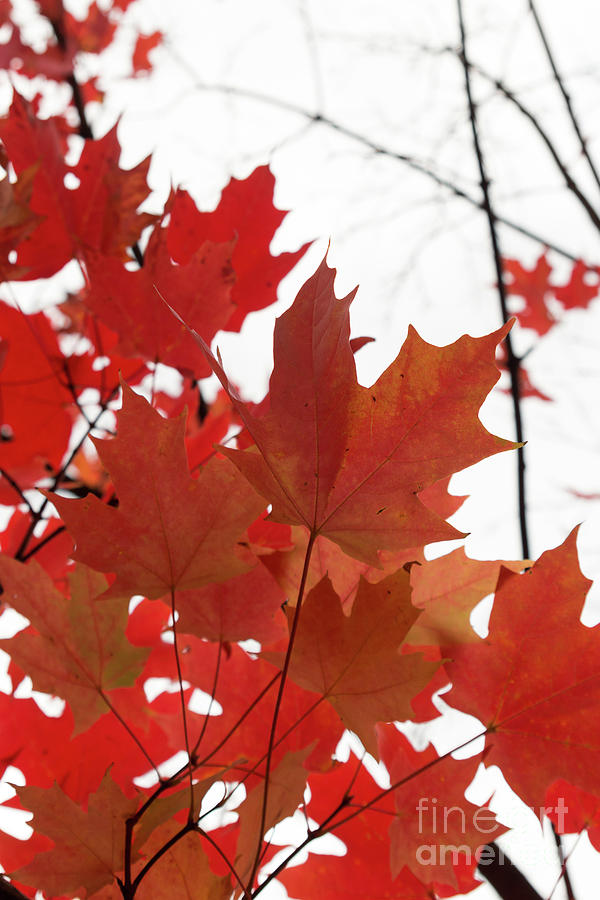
x=235, y=727
x=129, y=731
x=284, y=672
x=225, y=859
x=212, y=700
x=428, y=765
x=183, y=706
x=187, y=828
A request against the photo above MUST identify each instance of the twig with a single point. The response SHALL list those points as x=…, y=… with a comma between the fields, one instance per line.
x=17, y=490
x=570, y=182
x=563, y=865
x=313, y=49
x=187, y=828
x=512, y=359
x=334, y=125
x=312, y=835
x=561, y=86
x=59, y=475
x=45, y=540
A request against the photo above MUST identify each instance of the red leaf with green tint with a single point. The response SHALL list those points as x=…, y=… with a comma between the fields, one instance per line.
x=80, y=651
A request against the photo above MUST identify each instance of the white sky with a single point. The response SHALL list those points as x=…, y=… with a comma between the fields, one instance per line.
x=419, y=254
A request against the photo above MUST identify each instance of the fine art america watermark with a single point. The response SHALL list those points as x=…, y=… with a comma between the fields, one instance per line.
x=449, y=822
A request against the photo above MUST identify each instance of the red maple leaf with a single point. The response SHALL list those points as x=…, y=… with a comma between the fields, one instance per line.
x=17, y=219
x=144, y=45
x=29, y=141
x=534, y=682
x=145, y=326
x=99, y=215
x=34, y=400
x=446, y=826
x=367, y=857
x=572, y=810
x=179, y=533
x=80, y=652
x=533, y=285
x=247, y=216
x=354, y=660
x=86, y=853
x=581, y=288
x=346, y=461
x=447, y=589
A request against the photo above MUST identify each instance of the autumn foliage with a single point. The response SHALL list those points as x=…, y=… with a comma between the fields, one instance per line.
x=238, y=585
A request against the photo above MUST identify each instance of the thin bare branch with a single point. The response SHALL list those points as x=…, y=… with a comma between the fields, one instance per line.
x=8, y=477
x=570, y=182
x=565, y=94
x=318, y=118
x=513, y=362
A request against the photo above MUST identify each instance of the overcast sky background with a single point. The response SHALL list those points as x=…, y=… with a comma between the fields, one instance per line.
x=388, y=72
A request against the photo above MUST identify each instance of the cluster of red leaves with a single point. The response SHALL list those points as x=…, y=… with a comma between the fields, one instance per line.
x=66, y=38
x=536, y=288
x=160, y=561
x=541, y=297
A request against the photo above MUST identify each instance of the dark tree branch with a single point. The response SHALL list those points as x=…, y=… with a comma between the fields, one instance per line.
x=561, y=86
x=513, y=362
x=85, y=129
x=8, y=477
x=570, y=182
x=137, y=254
x=9, y=892
x=340, y=128
x=563, y=865
x=84, y=126
x=508, y=882
x=409, y=161
x=45, y=540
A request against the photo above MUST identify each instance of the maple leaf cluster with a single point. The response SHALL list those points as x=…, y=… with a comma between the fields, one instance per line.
x=543, y=302
x=221, y=592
